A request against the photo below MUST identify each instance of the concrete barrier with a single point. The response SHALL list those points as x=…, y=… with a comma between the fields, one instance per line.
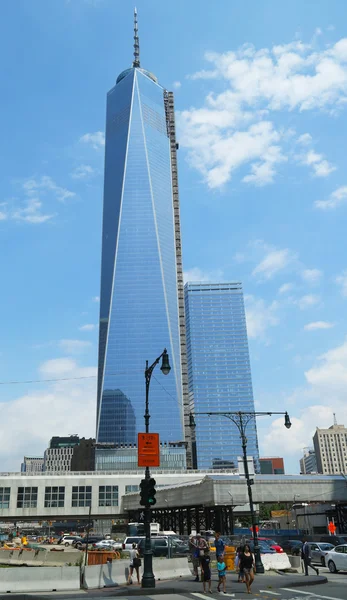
x=164, y=568
x=276, y=562
x=39, y=580
x=39, y=557
x=116, y=572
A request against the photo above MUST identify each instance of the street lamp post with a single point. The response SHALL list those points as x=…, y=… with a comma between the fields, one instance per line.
x=241, y=420
x=148, y=580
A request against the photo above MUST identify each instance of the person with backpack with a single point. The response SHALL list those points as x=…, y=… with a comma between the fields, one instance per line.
x=307, y=557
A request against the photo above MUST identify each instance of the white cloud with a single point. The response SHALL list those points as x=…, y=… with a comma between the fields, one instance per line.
x=87, y=327
x=337, y=197
x=260, y=316
x=96, y=140
x=31, y=212
x=50, y=403
x=307, y=301
x=321, y=167
x=83, y=172
x=305, y=139
x=176, y=85
x=311, y=275
x=318, y=325
x=45, y=185
x=274, y=262
x=96, y=299
x=286, y=287
x=341, y=280
x=196, y=275
x=74, y=346
x=233, y=127
x=323, y=394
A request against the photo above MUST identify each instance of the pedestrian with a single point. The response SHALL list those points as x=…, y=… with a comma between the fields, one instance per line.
x=241, y=577
x=135, y=563
x=205, y=562
x=195, y=555
x=307, y=557
x=221, y=567
x=219, y=545
x=247, y=566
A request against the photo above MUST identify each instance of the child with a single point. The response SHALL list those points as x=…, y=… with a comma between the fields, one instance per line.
x=206, y=570
x=221, y=573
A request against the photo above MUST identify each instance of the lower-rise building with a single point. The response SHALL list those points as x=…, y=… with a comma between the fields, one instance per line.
x=330, y=446
x=271, y=466
x=308, y=463
x=32, y=464
x=57, y=458
x=111, y=457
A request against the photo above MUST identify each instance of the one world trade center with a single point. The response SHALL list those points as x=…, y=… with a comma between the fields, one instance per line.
x=141, y=299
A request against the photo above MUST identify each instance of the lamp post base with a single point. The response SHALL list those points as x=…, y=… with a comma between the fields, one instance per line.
x=259, y=567
x=148, y=580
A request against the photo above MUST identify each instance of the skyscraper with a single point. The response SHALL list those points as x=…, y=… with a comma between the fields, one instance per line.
x=141, y=299
x=219, y=371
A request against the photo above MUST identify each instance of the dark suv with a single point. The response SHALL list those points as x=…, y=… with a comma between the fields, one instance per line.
x=336, y=540
x=160, y=547
x=92, y=539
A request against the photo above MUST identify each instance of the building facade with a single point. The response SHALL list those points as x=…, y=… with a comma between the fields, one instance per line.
x=32, y=464
x=219, y=371
x=124, y=458
x=272, y=466
x=308, y=463
x=141, y=270
x=57, y=458
x=330, y=447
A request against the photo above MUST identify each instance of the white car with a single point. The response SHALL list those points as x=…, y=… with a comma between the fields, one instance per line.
x=129, y=541
x=336, y=559
x=108, y=544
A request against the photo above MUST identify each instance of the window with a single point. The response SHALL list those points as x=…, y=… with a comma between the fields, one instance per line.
x=54, y=497
x=108, y=495
x=27, y=497
x=82, y=495
x=131, y=488
x=5, y=497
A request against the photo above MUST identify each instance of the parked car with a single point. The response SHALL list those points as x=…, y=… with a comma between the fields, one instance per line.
x=336, y=559
x=264, y=547
x=69, y=540
x=274, y=545
x=292, y=547
x=160, y=547
x=335, y=540
x=319, y=550
x=92, y=539
x=129, y=541
x=108, y=545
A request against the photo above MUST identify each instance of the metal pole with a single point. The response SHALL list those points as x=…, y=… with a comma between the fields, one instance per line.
x=87, y=540
x=148, y=580
x=258, y=564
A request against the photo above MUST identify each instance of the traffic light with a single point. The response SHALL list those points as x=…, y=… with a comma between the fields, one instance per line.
x=143, y=492
x=151, y=492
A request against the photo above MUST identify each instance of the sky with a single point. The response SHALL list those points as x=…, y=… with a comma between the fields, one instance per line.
x=260, y=96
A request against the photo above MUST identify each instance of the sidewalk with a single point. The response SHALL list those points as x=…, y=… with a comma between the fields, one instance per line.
x=268, y=581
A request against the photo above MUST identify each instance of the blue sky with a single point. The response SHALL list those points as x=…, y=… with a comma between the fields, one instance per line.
x=260, y=91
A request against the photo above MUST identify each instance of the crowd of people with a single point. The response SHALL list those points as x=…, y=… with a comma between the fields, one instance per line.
x=200, y=555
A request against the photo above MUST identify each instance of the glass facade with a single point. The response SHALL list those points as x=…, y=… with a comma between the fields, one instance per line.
x=219, y=372
x=27, y=497
x=138, y=299
x=54, y=496
x=172, y=458
x=5, y=493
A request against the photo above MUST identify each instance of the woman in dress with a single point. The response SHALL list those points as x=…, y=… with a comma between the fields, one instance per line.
x=135, y=563
x=247, y=566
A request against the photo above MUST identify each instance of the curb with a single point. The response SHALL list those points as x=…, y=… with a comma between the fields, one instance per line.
x=302, y=583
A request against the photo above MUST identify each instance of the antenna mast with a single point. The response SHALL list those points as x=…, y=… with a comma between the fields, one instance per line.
x=136, y=61
x=335, y=421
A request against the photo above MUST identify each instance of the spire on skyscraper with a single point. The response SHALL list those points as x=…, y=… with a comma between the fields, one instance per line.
x=136, y=61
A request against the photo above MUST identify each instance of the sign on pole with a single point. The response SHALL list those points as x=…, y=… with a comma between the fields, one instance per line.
x=148, y=450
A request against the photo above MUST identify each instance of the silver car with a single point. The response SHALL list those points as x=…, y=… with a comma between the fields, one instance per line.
x=319, y=550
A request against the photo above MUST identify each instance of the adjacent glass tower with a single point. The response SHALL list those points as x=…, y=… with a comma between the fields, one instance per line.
x=219, y=372
x=140, y=272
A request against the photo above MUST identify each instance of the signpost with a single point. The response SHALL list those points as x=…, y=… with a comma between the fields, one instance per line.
x=148, y=450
